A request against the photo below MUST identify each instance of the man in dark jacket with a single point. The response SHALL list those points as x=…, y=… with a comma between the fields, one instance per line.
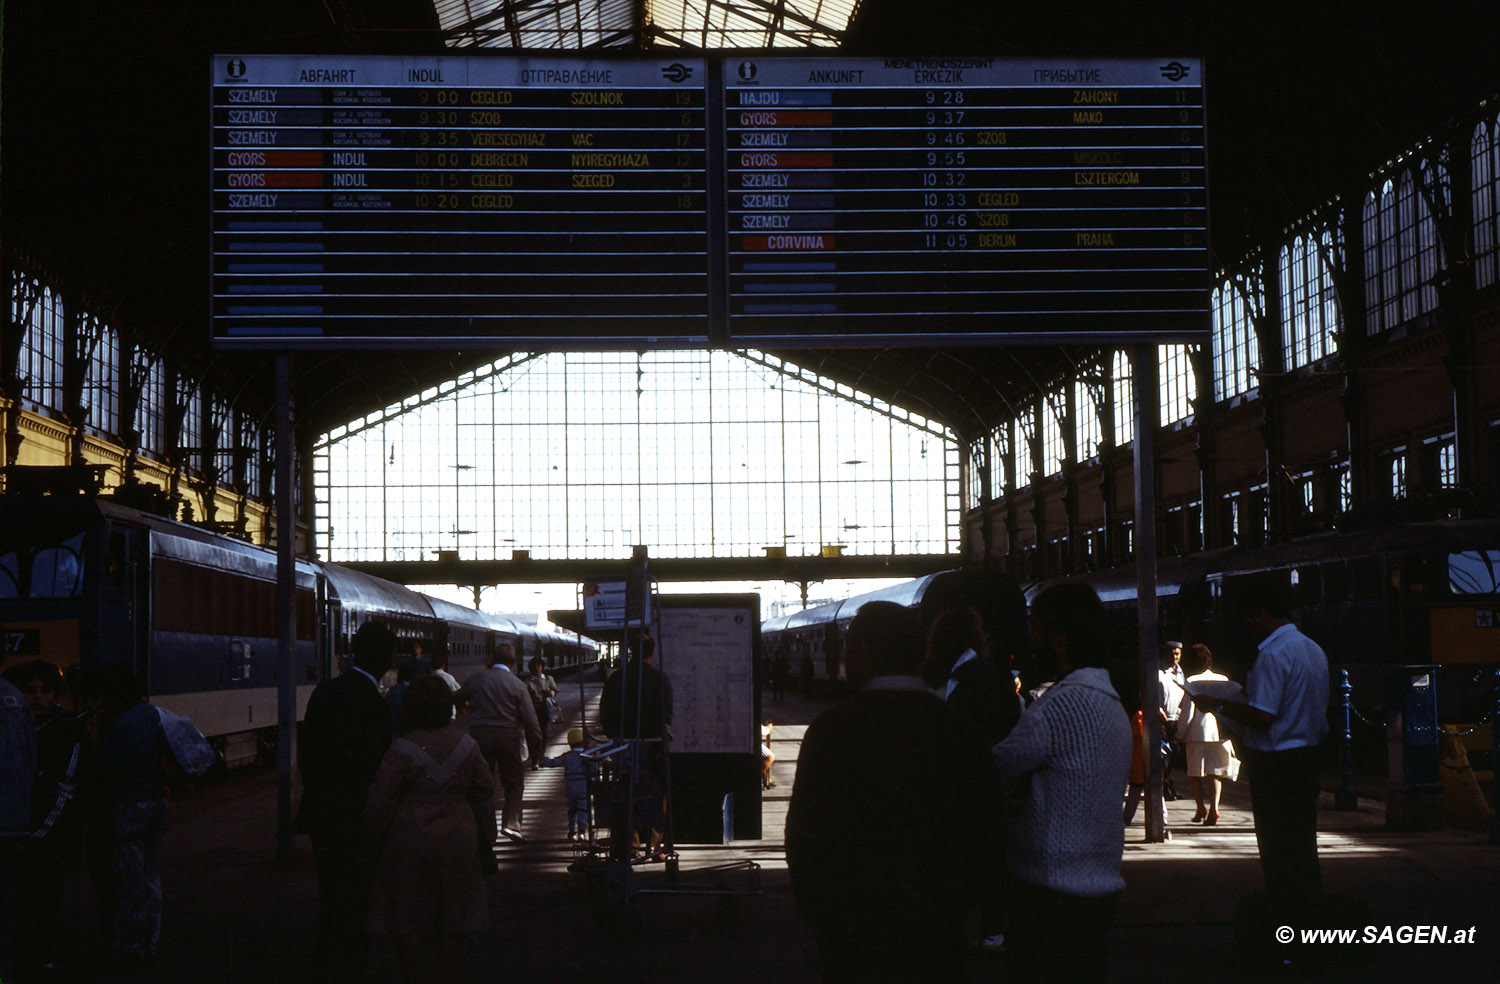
x=636, y=704
x=50, y=858
x=891, y=832
x=129, y=768
x=345, y=734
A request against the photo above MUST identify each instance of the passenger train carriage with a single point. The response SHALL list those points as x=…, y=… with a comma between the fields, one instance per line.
x=1414, y=594
x=820, y=631
x=85, y=582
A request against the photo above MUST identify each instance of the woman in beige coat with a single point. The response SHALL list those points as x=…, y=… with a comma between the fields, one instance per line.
x=1210, y=757
x=431, y=804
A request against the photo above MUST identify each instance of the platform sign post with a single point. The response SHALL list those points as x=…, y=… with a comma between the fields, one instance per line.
x=1143, y=370
x=286, y=637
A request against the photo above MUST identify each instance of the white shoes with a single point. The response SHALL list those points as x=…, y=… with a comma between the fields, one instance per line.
x=511, y=835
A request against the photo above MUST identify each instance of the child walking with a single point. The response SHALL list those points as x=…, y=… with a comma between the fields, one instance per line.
x=575, y=778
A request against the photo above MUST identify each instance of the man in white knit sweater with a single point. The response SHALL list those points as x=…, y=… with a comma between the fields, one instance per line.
x=1064, y=767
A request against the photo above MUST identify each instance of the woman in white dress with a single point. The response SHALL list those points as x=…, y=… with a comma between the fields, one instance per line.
x=1210, y=757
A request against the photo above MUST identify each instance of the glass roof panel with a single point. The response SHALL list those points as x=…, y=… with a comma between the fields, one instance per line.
x=574, y=24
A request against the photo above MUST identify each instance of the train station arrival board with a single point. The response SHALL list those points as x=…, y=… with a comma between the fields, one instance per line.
x=449, y=200
x=932, y=201
x=726, y=199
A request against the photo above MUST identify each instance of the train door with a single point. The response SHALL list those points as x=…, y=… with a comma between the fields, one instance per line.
x=124, y=628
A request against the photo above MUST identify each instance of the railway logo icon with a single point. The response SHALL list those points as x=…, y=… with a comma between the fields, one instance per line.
x=1174, y=71
x=677, y=72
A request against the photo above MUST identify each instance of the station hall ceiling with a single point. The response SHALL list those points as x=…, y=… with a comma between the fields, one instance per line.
x=104, y=174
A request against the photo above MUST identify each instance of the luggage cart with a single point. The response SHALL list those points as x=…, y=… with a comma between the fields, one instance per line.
x=625, y=793
x=630, y=782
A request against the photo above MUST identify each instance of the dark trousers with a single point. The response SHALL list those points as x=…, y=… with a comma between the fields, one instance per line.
x=140, y=828
x=541, y=719
x=1057, y=937
x=344, y=876
x=502, y=749
x=1284, y=799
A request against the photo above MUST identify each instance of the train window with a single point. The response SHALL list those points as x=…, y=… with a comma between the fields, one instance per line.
x=1474, y=572
x=57, y=572
x=41, y=563
x=10, y=575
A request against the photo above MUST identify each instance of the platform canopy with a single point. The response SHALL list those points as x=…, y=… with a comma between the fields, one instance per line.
x=643, y=23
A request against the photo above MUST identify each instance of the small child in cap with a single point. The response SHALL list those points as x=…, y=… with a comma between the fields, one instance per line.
x=575, y=776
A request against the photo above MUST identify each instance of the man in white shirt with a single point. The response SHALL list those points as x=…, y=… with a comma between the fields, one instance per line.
x=1172, y=681
x=439, y=660
x=1280, y=730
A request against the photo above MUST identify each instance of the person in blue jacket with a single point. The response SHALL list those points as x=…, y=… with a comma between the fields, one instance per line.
x=129, y=770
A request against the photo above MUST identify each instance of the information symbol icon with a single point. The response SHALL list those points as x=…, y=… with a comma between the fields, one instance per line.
x=236, y=68
x=747, y=70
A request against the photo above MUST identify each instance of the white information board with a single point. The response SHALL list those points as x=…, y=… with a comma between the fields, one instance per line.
x=708, y=653
x=607, y=604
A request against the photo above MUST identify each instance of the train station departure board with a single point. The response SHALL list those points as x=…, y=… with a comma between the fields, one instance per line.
x=390, y=201
x=916, y=201
x=630, y=202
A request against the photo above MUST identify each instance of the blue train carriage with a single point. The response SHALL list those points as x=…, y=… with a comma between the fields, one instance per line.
x=1183, y=597
x=470, y=636
x=85, y=582
x=1419, y=593
x=355, y=598
x=1374, y=600
x=562, y=652
x=820, y=631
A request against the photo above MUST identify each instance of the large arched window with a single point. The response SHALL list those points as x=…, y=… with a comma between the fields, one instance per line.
x=38, y=309
x=1236, y=352
x=1087, y=436
x=190, y=439
x=1179, y=384
x=1402, y=252
x=999, y=458
x=249, y=449
x=222, y=429
x=1309, y=304
x=1054, y=451
x=584, y=455
x=1484, y=153
x=988, y=452
x=1022, y=429
x=1124, y=399
x=101, y=383
x=150, y=411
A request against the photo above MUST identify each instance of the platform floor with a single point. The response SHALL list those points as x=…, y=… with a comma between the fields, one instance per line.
x=233, y=913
